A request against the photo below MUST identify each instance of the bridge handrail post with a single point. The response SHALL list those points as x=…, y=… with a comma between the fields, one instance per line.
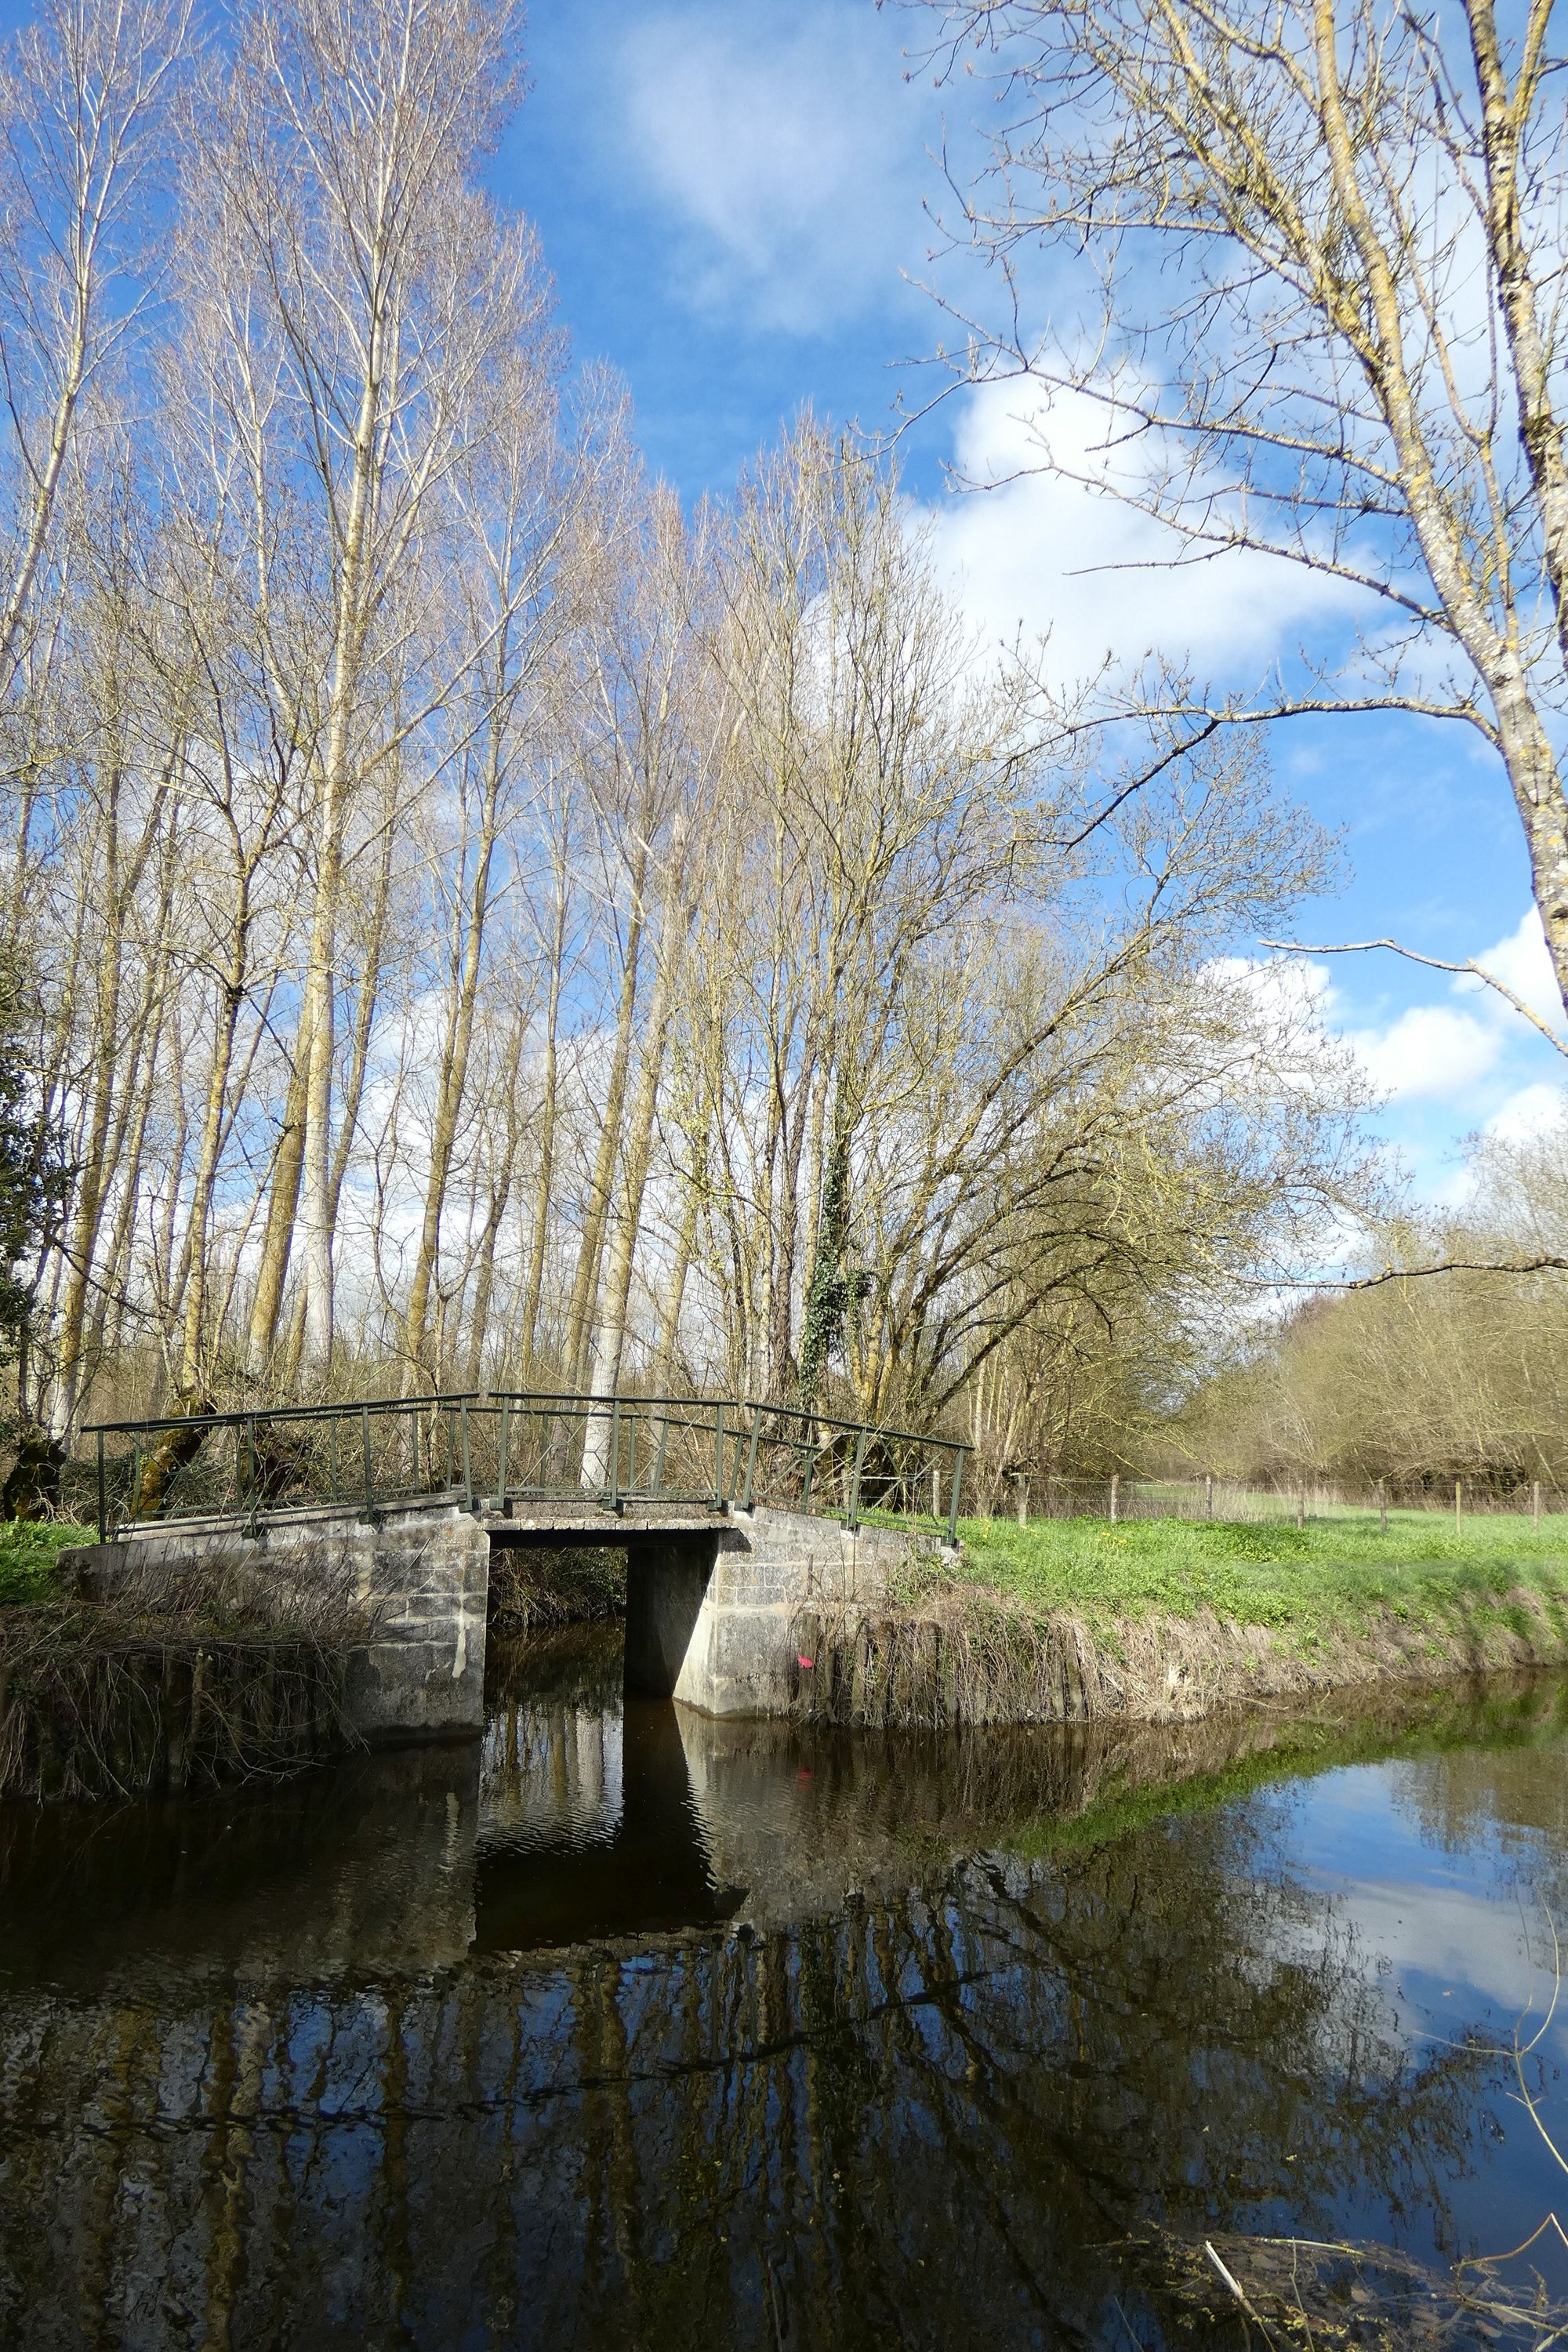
x=467, y=1462
x=852, y=1517
x=102, y=1494
x=135, y=1480
x=958, y=1454
x=615, y=1451
x=369, y=1460
x=718, y=1454
x=752, y=1456
x=505, y=1464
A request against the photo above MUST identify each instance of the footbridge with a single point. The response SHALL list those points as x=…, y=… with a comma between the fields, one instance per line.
x=734, y=1517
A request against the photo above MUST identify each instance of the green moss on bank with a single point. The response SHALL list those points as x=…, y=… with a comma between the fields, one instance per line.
x=29, y=1549
x=1334, y=1577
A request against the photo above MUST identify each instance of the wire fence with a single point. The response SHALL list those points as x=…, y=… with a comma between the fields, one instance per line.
x=1283, y=1502
x=615, y=1452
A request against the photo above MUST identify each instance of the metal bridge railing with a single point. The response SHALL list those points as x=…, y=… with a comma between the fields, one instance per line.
x=490, y=1452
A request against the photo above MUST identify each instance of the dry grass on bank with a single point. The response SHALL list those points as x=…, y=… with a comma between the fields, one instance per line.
x=168, y=1679
x=534, y=1591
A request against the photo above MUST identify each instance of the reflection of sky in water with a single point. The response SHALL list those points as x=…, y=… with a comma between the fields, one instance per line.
x=1441, y=1909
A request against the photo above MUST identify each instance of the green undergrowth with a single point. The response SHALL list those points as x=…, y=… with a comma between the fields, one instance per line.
x=29, y=1549
x=1333, y=1575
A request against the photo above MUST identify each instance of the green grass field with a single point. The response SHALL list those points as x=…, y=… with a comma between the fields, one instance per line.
x=1336, y=1571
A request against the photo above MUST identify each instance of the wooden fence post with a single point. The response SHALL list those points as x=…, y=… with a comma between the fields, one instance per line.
x=1535, y=1501
x=1383, y=1504
x=1208, y=1494
x=1115, y=1485
x=1459, y=1502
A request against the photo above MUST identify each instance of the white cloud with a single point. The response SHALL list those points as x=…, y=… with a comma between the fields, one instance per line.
x=1427, y=1050
x=1042, y=553
x=1290, y=989
x=1442, y=1052
x=1521, y=961
x=1534, y=1111
x=788, y=149
x=1433, y=1050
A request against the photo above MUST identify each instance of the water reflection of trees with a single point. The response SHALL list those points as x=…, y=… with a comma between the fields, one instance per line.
x=922, y=2118
x=1505, y=1794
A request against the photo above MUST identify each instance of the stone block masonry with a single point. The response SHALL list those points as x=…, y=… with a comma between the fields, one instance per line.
x=711, y=1618
x=423, y=1580
x=416, y=1584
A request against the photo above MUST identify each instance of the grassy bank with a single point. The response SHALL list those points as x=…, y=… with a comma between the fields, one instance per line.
x=1165, y=1620
x=1305, y=1584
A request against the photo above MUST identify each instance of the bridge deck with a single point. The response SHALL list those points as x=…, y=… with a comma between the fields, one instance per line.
x=527, y=1519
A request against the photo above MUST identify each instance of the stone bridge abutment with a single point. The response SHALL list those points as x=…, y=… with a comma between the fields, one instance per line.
x=712, y=1598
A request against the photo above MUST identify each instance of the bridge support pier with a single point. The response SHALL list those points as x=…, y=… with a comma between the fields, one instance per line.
x=711, y=1618
x=422, y=1579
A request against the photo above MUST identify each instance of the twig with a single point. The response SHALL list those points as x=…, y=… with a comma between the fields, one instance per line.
x=1468, y=969
x=1238, y=2290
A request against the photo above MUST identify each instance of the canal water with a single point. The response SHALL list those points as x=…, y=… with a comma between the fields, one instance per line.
x=624, y=2027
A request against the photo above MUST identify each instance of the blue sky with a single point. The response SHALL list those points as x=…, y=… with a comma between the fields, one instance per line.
x=731, y=200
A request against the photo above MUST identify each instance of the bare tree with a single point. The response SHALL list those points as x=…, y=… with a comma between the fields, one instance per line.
x=1328, y=244
x=84, y=108
x=345, y=144
x=657, y=754
x=484, y=912
x=522, y=493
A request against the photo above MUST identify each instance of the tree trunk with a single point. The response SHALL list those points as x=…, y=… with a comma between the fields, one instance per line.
x=119, y=882
x=667, y=1351
x=610, y=1337
x=282, y=1207
x=231, y=997
x=454, y=1072
x=585, y=1283
x=549, y=1113
x=350, y=623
